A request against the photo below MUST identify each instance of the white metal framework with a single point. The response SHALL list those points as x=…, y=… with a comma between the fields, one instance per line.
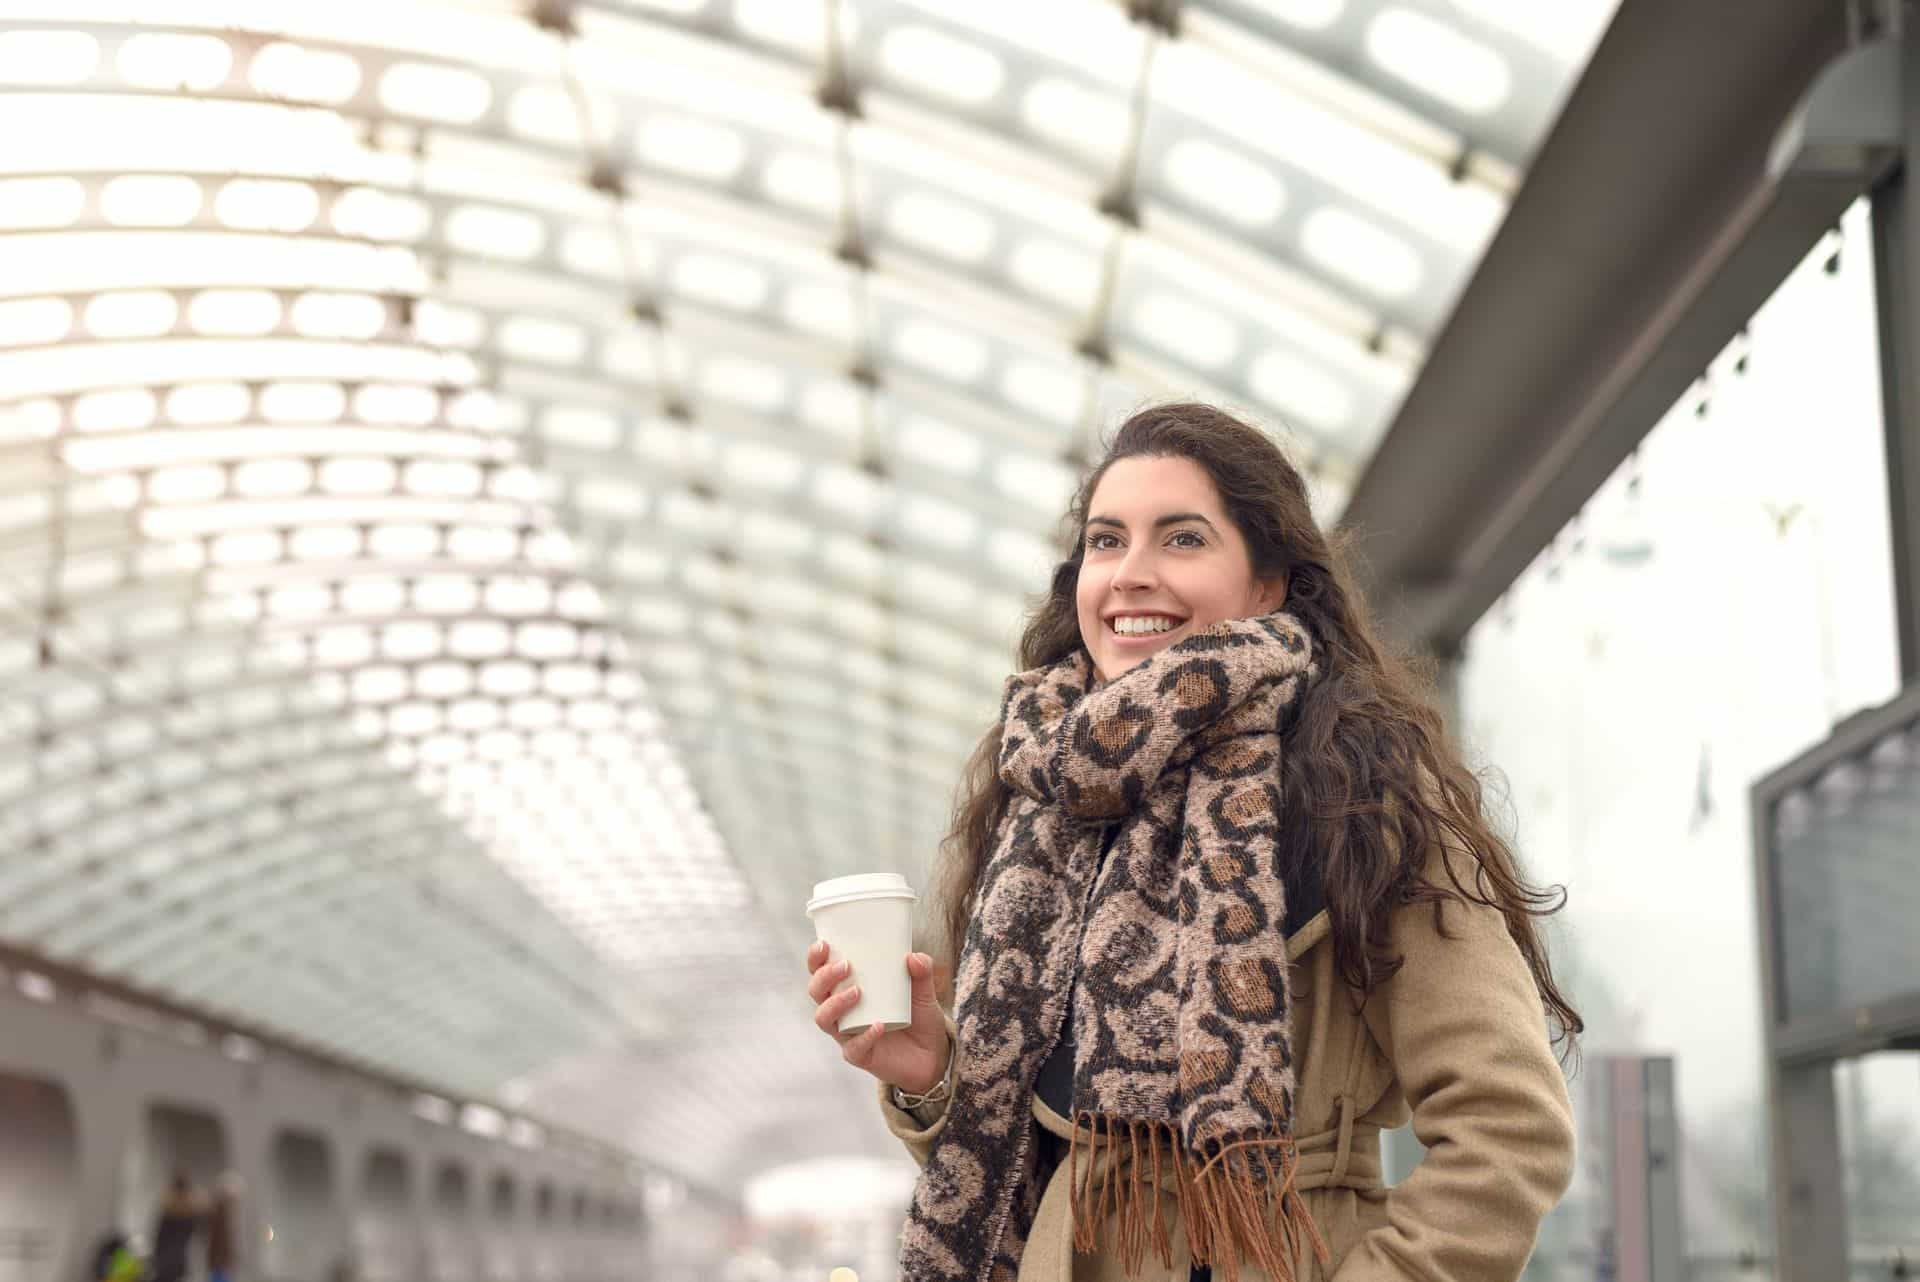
x=497, y=498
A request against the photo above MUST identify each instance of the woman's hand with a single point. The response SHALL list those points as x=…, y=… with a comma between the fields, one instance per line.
x=913, y=1058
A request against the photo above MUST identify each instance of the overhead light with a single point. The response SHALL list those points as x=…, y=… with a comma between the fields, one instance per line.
x=47, y=57
x=1361, y=251
x=1090, y=122
x=937, y=522
x=744, y=381
x=452, y=95
x=722, y=279
x=493, y=232
x=1310, y=14
x=33, y=204
x=546, y=114
x=1055, y=271
x=937, y=444
x=32, y=321
x=234, y=311
x=941, y=226
x=825, y=310
x=804, y=180
x=149, y=200
x=338, y=315
x=1300, y=389
x=1054, y=392
x=132, y=314
x=1439, y=60
x=285, y=70
x=1225, y=182
x=932, y=62
x=691, y=146
x=174, y=61
x=541, y=338
x=942, y=349
x=1186, y=328
x=796, y=28
x=1566, y=29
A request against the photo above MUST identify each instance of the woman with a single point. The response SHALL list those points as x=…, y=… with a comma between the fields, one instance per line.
x=1230, y=907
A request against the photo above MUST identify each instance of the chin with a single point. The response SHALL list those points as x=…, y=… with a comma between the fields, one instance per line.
x=1116, y=665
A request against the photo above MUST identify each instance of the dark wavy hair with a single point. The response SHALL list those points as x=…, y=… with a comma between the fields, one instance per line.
x=1370, y=769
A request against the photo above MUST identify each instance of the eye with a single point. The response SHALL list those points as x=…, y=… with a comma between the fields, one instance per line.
x=1095, y=544
x=1194, y=540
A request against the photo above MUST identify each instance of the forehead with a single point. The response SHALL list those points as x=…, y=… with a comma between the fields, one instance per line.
x=1146, y=487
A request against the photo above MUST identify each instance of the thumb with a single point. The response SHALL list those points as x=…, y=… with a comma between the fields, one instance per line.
x=926, y=1007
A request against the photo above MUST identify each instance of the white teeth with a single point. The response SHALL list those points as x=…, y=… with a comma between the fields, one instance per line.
x=1136, y=625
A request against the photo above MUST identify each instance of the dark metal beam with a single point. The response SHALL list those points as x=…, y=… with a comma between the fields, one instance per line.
x=1896, y=248
x=1645, y=236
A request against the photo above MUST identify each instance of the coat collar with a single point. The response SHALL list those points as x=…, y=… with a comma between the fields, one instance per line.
x=1318, y=927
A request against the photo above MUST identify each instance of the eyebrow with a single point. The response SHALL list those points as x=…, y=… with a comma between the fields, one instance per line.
x=1171, y=518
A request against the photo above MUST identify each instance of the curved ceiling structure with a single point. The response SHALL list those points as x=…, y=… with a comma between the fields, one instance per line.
x=496, y=499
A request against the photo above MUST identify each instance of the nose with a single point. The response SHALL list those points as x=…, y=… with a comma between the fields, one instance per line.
x=1135, y=570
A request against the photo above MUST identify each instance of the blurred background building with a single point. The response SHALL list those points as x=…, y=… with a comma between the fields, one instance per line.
x=498, y=497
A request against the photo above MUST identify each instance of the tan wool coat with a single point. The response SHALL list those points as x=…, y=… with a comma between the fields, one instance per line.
x=1458, y=1038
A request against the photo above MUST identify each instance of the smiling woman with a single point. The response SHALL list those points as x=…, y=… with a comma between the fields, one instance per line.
x=1223, y=905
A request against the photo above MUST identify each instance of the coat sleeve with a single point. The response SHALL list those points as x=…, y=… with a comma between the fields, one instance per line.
x=1463, y=1027
x=918, y=1128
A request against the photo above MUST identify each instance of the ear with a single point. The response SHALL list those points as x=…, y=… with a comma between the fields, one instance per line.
x=1272, y=594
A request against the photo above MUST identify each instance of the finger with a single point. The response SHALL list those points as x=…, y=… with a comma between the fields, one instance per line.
x=926, y=1007
x=826, y=977
x=858, y=1049
x=816, y=954
x=827, y=1016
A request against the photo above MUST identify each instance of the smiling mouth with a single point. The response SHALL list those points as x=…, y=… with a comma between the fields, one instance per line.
x=1156, y=626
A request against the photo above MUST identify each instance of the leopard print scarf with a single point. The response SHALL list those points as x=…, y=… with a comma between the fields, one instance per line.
x=1181, y=1039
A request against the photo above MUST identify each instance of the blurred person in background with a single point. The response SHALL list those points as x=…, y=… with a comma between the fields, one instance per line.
x=1225, y=905
x=116, y=1258
x=173, y=1232
x=220, y=1217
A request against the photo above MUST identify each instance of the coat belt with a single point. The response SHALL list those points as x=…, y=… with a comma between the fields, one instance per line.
x=1330, y=1160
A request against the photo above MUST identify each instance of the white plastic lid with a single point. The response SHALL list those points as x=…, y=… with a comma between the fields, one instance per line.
x=866, y=885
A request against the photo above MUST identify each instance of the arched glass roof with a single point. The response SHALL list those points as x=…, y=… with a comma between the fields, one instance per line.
x=497, y=498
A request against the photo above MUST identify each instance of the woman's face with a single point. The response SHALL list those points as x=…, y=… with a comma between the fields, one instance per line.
x=1161, y=561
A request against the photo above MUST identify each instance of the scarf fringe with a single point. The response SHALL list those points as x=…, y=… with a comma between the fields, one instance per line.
x=1241, y=1204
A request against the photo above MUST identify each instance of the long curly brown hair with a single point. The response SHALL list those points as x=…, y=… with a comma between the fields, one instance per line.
x=1371, y=771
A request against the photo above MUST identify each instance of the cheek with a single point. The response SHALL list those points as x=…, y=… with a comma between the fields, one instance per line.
x=1215, y=598
x=1087, y=605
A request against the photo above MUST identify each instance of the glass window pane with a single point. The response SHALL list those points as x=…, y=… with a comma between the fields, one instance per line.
x=1725, y=599
x=1846, y=852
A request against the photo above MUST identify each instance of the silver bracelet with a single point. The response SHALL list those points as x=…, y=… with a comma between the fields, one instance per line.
x=939, y=1091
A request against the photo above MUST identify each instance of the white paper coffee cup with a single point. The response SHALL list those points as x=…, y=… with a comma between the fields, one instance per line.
x=867, y=920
